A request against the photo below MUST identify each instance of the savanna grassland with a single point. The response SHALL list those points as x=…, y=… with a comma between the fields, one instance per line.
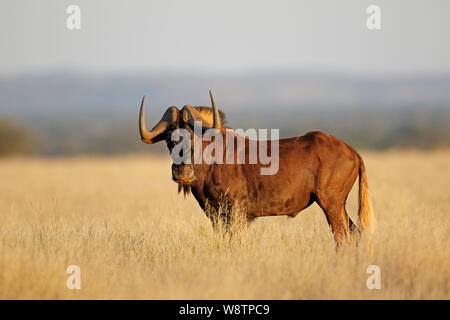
x=122, y=221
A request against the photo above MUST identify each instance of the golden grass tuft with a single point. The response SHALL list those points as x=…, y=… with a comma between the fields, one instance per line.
x=121, y=220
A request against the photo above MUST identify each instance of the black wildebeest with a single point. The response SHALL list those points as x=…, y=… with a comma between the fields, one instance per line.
x=315, y=167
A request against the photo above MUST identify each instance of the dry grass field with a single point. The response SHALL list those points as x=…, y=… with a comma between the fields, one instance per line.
x=121, y=220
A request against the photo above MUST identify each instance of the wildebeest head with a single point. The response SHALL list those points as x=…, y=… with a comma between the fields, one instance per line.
x=174, y=119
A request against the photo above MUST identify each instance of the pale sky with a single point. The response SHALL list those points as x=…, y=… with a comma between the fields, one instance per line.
x=225, y=36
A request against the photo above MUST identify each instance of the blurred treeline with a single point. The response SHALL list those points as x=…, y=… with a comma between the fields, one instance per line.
x=15, y=139
x=106, y=134
x=68, y=114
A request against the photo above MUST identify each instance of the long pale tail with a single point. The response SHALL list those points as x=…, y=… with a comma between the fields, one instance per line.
x=366, y=217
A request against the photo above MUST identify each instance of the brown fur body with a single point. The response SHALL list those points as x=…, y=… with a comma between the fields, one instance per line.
x=316, y=167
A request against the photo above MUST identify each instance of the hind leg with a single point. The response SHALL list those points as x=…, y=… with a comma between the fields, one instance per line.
x=354, y=230
x=339, y=225
x=333, y=187
x=337, y=218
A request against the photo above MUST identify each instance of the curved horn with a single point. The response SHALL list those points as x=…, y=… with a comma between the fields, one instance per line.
x=169, y=117
x=216, y=117
x=145, y=134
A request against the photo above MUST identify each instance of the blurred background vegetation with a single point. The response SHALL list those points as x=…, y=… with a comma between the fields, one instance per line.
x=68, y=114
x=15, y=139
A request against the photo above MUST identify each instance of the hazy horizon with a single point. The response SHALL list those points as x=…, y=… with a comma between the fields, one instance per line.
x=230, y=37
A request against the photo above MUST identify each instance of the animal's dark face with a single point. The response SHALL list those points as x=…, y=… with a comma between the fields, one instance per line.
x=183, y=173
x=178, y=128
x=178, y=133
x=180, y=147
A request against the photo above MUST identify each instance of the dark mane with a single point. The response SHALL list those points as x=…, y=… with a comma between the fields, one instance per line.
x=207, y=114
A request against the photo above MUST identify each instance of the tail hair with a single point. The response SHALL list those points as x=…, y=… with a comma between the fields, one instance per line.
x=366, y=216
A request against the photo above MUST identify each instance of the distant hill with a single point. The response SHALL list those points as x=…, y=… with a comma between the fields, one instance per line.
x=76, y=113
x=61, y=91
